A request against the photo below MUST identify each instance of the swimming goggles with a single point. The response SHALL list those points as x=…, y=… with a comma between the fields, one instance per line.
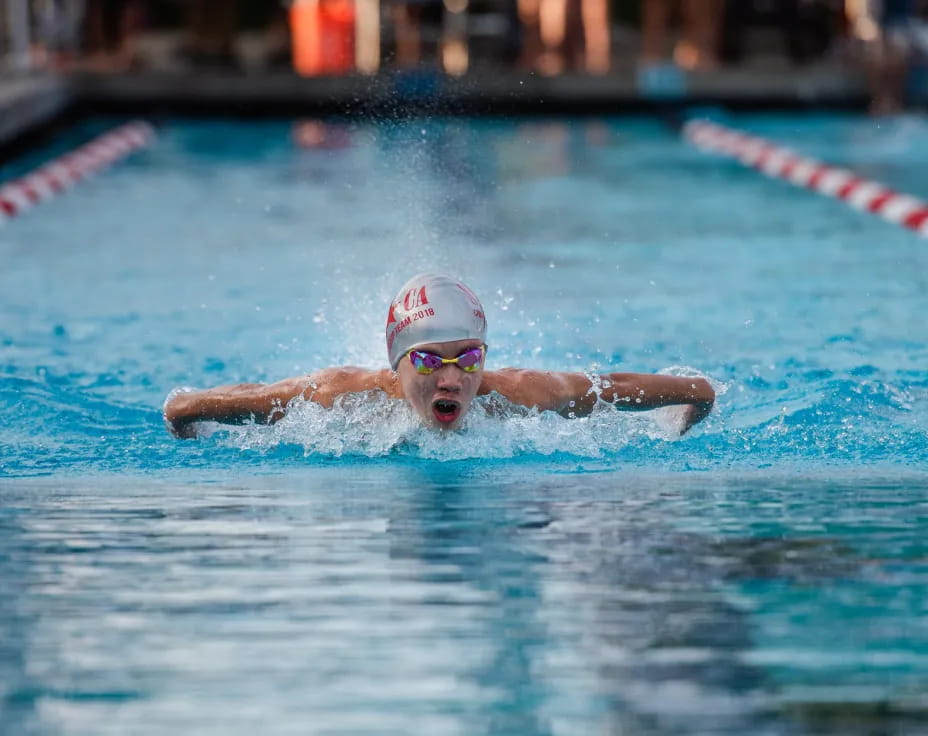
x=425, y=363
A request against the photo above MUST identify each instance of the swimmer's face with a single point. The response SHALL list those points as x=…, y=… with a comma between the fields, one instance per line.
x=442, y=397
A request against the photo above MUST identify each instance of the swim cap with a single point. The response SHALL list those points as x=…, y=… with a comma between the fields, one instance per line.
x=431, y=308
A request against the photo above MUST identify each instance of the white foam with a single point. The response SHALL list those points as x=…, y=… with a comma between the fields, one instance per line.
x=372, y=425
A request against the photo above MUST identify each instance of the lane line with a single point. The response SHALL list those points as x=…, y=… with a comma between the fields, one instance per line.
x=779, y=162
x=60, y=174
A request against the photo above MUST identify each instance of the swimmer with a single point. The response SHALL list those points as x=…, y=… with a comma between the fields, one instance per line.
x=436, y=344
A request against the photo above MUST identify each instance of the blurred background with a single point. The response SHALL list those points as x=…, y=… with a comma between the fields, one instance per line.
x=657, y=43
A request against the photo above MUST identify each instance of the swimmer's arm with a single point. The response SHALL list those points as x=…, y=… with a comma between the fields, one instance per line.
x=570, y=394
x=266, y=403
x=642, y=391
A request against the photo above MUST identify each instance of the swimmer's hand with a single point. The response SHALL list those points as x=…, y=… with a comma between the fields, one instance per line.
x=695, y=413
x=676, y=420
x=681, y=401
x=173, y=417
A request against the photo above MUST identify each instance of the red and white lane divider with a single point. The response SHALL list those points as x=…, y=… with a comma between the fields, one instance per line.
x=781, y=163
x=62, y=173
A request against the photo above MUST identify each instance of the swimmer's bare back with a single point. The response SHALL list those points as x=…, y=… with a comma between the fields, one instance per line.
x=570, y=394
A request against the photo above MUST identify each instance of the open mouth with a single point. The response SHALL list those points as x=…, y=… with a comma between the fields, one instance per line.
x=446, y=410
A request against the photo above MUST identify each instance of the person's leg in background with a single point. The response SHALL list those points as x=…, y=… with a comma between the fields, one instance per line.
x=407, y=28
x=734, y=22
x=211, y=29
x=552, y=27
x=596, y=36
x=698, y=45
x=655, y=21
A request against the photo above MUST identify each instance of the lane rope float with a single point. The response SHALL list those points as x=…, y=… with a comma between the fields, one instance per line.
x=62, y=173
x=779, y=162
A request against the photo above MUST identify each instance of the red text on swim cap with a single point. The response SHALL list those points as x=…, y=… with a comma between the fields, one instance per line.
x=415, y=298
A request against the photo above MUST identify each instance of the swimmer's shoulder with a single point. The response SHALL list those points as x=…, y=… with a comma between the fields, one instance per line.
x=532, y=388
x=516, y=377
x=325, y=385
x=504, y=380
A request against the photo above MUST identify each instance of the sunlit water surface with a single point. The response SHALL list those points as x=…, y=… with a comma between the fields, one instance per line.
x=346, y=571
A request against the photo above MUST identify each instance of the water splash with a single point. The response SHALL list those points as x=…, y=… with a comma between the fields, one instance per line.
x=814, y=419
x=373, y=425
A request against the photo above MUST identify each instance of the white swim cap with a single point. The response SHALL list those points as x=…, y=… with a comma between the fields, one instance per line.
x=431, y=308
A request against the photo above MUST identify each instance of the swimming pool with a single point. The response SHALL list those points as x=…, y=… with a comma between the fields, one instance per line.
x=346, y=572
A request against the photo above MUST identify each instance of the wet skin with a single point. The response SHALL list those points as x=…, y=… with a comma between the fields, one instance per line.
x=443, y=397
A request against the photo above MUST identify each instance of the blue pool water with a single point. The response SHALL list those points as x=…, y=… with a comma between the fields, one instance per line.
x=345, y=571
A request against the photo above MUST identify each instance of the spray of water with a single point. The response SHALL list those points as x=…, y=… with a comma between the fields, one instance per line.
x=372, y=425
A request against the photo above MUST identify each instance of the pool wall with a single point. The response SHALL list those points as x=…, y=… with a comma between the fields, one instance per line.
x=29, y=105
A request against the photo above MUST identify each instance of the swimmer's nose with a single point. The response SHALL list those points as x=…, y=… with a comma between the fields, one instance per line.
x=448, y=378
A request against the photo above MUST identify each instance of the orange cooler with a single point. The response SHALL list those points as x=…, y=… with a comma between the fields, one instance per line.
x=323, y=36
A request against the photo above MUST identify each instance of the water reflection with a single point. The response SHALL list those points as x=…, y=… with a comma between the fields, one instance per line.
x=600, y=615
x=418, y=597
